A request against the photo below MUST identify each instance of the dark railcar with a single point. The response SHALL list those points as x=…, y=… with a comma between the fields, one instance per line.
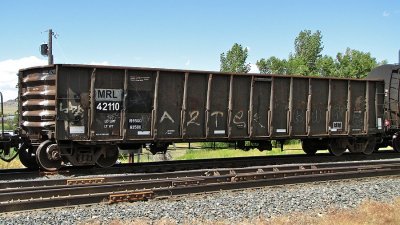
x=83, y=114
x=391, y=75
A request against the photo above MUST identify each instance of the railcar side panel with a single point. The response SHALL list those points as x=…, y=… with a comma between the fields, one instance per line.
x=217, y=110
x=357, y=107
x=280, y=106
x=107, y=103
x=319, y=92
x=338, y=107
x=169, y=105
x=261, y=110
x=195, y=106
x=239, y=106
x=73, y=103
x=139, y=102
x=300, y=94
x=145, y=105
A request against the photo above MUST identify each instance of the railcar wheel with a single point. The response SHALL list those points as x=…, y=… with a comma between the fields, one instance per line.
x=46, y=156
x=264, y=145
x=158, y=147
x=108, y=156
x=27, y=156
x=370, y=146
x=308, y=147
x=396, y=142
x=337, y=147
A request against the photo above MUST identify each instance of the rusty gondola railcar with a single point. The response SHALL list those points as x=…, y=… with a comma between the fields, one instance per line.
x=84, y=114
x=390, y=73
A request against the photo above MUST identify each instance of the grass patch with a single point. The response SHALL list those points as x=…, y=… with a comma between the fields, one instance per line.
x=180, y=151
x=13, y=164
x=368, y=213
x=227, y=153
x=200, y=150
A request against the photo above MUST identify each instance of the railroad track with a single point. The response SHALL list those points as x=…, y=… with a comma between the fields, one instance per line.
x=181, y=165
x=27, y=195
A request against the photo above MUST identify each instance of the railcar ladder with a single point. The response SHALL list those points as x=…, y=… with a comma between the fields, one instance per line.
x=393, y=97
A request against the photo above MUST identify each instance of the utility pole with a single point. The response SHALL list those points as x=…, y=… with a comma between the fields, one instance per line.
x=47, y=49
x=50, y=50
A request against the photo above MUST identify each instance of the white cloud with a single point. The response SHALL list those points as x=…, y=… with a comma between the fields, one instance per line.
x=253, y=68
x=386, y=14
x=8, y=74
x=187, y=62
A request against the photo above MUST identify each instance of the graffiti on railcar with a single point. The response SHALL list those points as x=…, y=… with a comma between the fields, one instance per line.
x=238, y=119
x=193, y=116
x=257, y=120
x=299, y=115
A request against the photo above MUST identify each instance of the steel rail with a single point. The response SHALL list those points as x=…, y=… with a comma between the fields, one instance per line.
x=181, y=165
x=27, y=185
x=116, y=191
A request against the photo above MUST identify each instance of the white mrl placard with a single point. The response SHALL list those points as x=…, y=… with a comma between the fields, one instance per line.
x=111, y=95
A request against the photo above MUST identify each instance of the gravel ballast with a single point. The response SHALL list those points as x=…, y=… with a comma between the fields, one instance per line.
x=233, y=206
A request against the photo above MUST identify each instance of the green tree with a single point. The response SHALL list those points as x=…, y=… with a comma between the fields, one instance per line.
x=308, y=60
x=235, y=60
x=326, y=66
x=355, y=64
x=296, y=66
x=308, y=47
x=272, y=65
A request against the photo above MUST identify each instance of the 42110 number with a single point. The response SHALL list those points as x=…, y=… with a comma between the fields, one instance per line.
x=108, y=106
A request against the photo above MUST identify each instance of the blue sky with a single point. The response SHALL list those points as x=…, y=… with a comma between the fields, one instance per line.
x=189, y=34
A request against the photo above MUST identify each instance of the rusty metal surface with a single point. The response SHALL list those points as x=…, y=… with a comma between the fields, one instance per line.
x=38, y=77
x=37, y=100
x=145, y=104
x=41, y=113
x=130, y=197
x=78, y=181
x=37, y=124
x=39, y=90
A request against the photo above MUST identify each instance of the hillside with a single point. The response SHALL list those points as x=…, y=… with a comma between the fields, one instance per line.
x=10, y=107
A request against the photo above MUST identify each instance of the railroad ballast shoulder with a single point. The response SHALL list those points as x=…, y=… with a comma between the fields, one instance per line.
x=85, y=114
